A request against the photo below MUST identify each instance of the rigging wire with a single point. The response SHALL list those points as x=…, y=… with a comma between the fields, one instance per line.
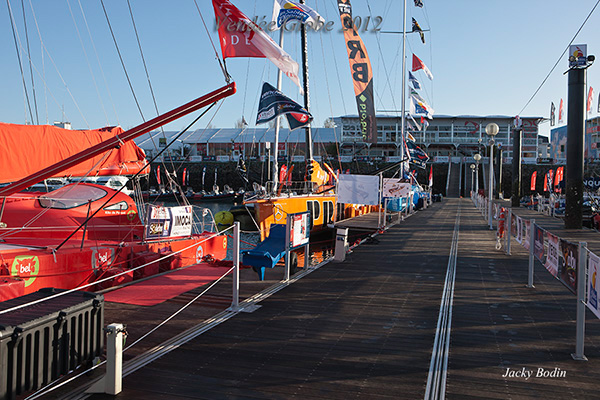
x=56, y=68
x=98, y=59
x=88, y=61
x=122, y=62
x=12, y=24
x=221, y=64
x=37, y=117
x=559, y=58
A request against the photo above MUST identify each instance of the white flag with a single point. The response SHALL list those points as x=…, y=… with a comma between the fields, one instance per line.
x=285, y=10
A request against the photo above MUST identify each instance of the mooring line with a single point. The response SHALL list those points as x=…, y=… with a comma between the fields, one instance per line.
x=436, y=380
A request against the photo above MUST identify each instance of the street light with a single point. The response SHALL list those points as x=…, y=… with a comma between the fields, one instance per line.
x=477, y=157
x=491, y=130
x=472, y=176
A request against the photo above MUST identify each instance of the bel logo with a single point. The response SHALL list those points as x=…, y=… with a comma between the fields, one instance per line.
x=27, y=267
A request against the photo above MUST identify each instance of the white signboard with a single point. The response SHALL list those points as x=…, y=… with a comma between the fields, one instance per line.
x=297, y=158
x=394, y=158
x=223, y=158
x=299, y=230
x=552, y=255
x=594, y=279
x=392, y=187
x=577, y=55
x=345, y=159
x=358, y=189
x=181, y=221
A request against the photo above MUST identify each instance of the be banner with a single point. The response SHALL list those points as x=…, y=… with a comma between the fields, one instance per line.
x=594, y=278
x=164, y=222
x=538, y=248
x=393, y=187
x=567, y=272
x=552, y=257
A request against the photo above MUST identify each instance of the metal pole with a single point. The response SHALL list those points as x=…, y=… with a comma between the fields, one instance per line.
x=575, y=148
x=516, y=168
x=477, y=177
x=531, y=254
x=286, y=276
x=235, y=303
x=491, y=184
x=581, y=284
x=277, y=120
x=304, y=46
x=508, y=225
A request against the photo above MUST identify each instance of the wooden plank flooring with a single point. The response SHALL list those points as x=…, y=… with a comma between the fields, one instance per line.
x=364, y=328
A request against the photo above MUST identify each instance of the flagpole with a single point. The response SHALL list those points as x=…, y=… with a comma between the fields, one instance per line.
x=403, y=79
x=277, y=121
x=309, y=147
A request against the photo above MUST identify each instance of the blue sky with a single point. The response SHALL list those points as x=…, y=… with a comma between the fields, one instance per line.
x=487, y=58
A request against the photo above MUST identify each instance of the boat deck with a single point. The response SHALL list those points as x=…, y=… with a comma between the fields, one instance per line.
x=365, y=328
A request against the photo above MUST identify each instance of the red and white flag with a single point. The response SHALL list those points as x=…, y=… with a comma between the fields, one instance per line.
x=560, y=111
x=417, y=64
x=158, y=174
x=240, y=37
x=589, y=99
x=533, y=179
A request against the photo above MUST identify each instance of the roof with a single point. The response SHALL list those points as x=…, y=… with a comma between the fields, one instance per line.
x=246, y=135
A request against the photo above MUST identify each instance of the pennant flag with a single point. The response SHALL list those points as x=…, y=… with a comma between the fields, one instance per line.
x=414, y=81
x=274, y=103
x=415, y=122
x=425, y=124
x=552, y=114
x=431, y=176
x=546, y=182
x=417, y=28
x=418, y=106
x=248, y=40
x=285, y=10
x=560, y=111
x=417, y=64
x=550, y=179
x=418, y=3
x=184, y=175
x=203, y=175
x=589, y=99
x=362, y=75
x=158, y=174
x=533, y=179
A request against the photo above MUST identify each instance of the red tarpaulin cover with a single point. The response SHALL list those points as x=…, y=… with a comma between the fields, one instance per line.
x=30, y=148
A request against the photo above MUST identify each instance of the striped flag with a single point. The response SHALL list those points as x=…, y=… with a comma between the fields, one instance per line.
x=560, y=111
x=414, y=81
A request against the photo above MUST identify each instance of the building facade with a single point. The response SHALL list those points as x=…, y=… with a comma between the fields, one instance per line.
x=446, y=136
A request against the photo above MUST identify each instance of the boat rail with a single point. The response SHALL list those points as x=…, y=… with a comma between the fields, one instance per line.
x=291, y=188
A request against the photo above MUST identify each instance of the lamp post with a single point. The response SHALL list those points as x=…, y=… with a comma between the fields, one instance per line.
x=472, y=176
x=491, y=130
x=477, y=157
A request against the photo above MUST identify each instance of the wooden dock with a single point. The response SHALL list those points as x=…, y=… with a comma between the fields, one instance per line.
x=365, y=328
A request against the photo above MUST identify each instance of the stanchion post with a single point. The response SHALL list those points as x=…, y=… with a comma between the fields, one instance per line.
x=531, y=253
x=235, y=303
x=508, y=224
x=288, y=226
x=581, y=284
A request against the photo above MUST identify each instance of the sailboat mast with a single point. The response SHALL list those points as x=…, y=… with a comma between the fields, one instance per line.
x=277, y=121
x=403, y=137
x=309, y=144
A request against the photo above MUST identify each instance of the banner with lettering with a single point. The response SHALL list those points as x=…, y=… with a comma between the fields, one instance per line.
x=526, y=233
x=362, y=74
x=513, y=225
x=164, y=222
x=552, y=256
x=594, y=279
x=567, y=265
x=538, y=248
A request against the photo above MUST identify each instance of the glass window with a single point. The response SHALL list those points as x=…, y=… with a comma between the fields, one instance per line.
x=71, y=196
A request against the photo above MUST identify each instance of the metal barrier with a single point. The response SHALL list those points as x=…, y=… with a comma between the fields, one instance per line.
x=40, y=343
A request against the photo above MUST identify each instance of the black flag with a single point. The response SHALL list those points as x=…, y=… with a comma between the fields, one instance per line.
x=274, y=103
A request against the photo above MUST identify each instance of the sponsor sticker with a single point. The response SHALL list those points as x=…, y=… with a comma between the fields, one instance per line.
x=26, y=267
